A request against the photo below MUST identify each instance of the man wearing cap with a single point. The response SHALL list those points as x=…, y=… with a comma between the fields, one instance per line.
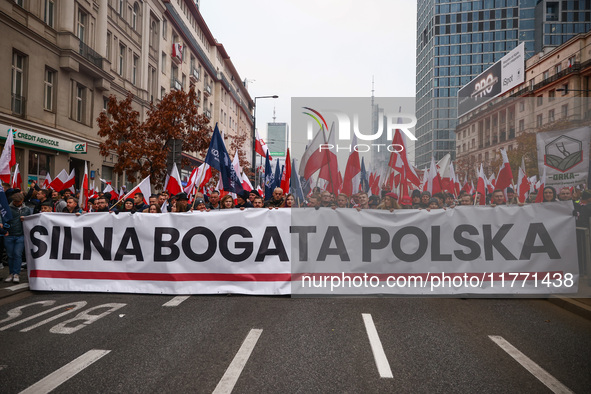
x=511, y=197
x=182, y=202
x=242, y=201
x=252, y=195
x=200, y=205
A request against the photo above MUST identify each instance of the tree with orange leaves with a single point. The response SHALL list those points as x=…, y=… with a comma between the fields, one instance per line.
x=141, y=147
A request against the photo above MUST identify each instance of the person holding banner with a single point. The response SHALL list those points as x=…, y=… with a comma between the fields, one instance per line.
x=549, y=194
x=14, y=242
x=227, y=202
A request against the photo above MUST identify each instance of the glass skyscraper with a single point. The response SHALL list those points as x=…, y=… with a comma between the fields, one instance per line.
x=457, y=40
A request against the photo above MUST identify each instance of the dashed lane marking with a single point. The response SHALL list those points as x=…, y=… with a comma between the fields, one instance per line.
x=376, y=347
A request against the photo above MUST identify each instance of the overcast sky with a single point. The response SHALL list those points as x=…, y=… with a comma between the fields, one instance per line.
x=316, y=48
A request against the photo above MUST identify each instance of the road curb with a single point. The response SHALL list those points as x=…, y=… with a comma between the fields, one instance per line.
x=6, y=292
x=572, y=305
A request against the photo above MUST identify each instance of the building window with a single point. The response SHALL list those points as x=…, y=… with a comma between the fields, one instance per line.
x=120, y=9
x=539, y=121
x=134, y=14
x=134, y=70
x=122, y=50
x=80, y=103
x=163, y=63
x=162, y=93
x=81, y=30
x=521, y=125
x=540, y=100
x=49, y=12
x=49, y=89
x=18, y=83
x=546, y=74
x=558, y=68
x=164, y=28
x=551, y=116
x=109, y=39
x=565, y=111
x=551, y=95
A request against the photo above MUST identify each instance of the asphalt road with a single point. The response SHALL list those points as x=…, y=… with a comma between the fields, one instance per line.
x=306, y=344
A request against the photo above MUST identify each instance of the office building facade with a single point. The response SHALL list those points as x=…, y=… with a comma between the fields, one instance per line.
x=457, y=40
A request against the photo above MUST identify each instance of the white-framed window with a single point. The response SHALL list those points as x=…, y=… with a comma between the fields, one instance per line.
x=49, y=89
x=109, y=39
x=81, y=28
x=134, y=15
x=558, y=68
x=134, y=69
x=49, y=12
x=121, y=68
x=80, y=103
x=164, y=28
x=18, y=83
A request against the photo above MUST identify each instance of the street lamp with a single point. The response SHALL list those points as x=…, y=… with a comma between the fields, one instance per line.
x=254, y=127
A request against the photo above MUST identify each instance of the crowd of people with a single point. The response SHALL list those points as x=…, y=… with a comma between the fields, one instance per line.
x=38, y=200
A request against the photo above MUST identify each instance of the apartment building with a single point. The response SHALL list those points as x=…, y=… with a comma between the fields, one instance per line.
x=66, y=57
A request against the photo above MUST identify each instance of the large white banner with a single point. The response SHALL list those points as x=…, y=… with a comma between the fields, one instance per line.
x=466, y=250
x=565, y=155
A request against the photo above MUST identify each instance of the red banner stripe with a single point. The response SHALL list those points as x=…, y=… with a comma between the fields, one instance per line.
x=168, y=277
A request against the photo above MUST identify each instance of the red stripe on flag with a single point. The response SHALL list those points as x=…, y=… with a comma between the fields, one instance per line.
x=169, y=277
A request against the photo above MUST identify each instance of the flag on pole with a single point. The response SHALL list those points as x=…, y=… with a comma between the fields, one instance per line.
x=481, y=186
x=84, y=189
x=363, y=181
x=218, y=158
x=260, y=147
x=352, y=172
x=313, y=159
x=143, y=187
x=17, y=180
x=505, y=176
x=540, y=196
x=8, y=158
x=286, y=175
x=433, y=179
x=296, y=187
x=173, y=181
x=268, y=178
x=5, y=211
x=330, y=166
x=523, y=184
x=46, y=182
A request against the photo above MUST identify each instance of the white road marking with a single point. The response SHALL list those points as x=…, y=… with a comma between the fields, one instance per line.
x=550, y=381
x=17, y=287
x=228, y=381
x=376, y=347
x=176, y=301
x=53, y=380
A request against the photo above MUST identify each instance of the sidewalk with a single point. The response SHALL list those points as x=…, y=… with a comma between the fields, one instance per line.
x=579, y=304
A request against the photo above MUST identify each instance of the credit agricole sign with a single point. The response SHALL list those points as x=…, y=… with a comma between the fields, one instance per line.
x=42, y=140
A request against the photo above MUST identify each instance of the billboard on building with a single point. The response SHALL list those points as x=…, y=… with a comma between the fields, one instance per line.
x=502, y=76
x=277, y=139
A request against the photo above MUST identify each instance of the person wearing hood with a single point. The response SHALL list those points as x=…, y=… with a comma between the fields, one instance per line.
x=242, y=201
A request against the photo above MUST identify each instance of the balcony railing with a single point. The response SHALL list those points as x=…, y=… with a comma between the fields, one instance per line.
x=18, y=104
x=194, y=74
x=176, y=84
x=89, y=54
